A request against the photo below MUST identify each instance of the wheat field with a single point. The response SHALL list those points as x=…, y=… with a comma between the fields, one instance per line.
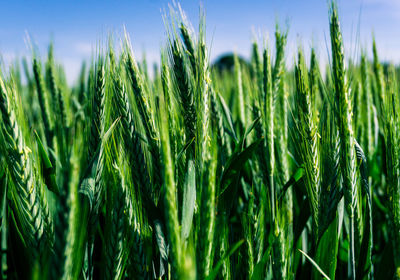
x=249, y=170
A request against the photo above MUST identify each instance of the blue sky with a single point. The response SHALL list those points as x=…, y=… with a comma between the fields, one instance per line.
x=76, y=26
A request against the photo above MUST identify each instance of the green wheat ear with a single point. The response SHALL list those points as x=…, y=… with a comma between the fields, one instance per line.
x=367, y=116
x=43, y=101
x=268, y=111
x=98, y=110
x=132, y=141
x=308, y=139
x=143, y=103
x=30, y=209
x=186, y=96
x=115, y=249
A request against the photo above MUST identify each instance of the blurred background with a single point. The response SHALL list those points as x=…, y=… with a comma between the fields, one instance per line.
x=77, y=27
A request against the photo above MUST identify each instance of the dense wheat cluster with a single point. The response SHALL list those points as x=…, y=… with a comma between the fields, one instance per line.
x=253, y=171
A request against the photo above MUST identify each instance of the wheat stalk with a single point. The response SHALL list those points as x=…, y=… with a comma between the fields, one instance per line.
x=344, y=122
x=207, y=219
x=171, y=213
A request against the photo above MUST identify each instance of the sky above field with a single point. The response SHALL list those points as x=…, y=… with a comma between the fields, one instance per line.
x=77, y=26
